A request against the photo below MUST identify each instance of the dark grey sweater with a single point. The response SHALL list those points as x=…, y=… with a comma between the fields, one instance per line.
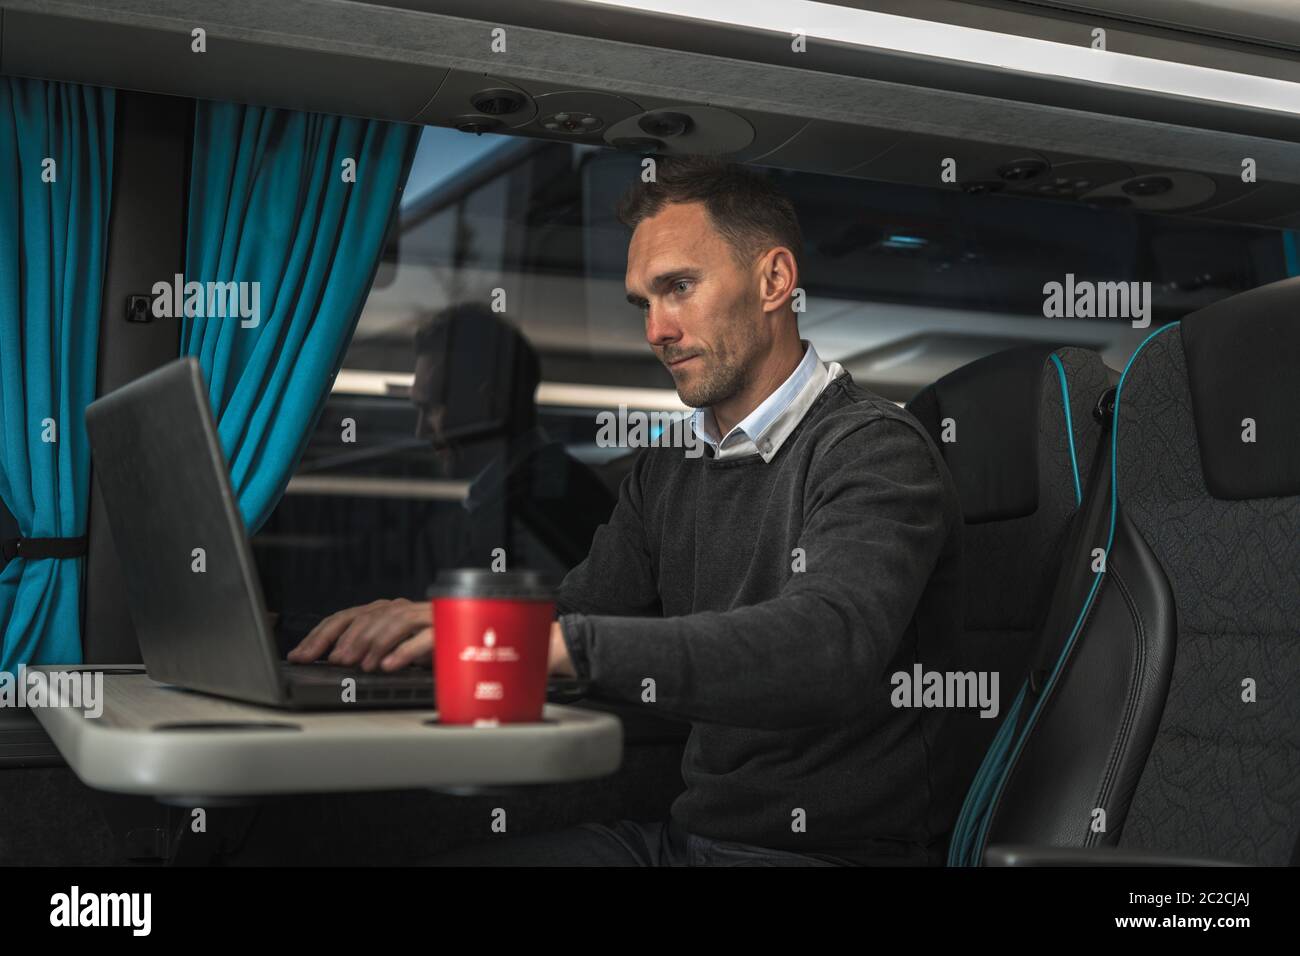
x=785, y=674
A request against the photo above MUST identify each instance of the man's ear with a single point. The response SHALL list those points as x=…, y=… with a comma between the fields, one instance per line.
x=778, y=276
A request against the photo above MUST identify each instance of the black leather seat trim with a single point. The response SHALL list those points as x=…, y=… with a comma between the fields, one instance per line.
x=1073, y=758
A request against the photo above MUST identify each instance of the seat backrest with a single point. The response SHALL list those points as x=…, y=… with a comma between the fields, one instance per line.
x=1017, y=432
x=1164, y=713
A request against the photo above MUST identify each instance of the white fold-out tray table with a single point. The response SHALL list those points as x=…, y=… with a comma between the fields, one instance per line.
x=164, y=741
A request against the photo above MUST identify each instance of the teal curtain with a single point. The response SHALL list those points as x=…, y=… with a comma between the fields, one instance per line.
x=56, y=166
x=294, y=208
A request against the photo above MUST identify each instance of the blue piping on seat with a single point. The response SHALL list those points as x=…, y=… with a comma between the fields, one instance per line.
x=1069, y=428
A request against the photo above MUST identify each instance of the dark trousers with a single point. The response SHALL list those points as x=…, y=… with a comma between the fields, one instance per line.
x=623, y=843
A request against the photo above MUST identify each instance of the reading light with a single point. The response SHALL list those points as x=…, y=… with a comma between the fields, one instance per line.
x=572, y=122
x=903, y=242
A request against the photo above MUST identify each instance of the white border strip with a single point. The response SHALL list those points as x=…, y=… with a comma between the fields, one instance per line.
x=885, y=31
x=609, y=397
x=364, y=486
x=564, y=394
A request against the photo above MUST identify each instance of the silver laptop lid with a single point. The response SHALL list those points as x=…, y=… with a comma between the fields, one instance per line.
x=191, y=583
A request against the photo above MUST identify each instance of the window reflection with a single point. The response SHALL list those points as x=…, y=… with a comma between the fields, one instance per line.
x=498, y=329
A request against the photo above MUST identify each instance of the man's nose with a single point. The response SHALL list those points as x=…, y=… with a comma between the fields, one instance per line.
x=659, y=331
x=428, y=422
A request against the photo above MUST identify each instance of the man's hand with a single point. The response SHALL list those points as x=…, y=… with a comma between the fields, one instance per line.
x=558, y=661
x=385, y=634
x=392, y=635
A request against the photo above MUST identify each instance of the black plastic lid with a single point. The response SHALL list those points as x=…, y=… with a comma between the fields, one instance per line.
x=481, y=583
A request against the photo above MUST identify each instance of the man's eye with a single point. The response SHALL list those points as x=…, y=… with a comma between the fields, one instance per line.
x=681, y=285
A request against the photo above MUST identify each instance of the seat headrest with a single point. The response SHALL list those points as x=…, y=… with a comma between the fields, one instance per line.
x=1243, y=362
x=997, y=404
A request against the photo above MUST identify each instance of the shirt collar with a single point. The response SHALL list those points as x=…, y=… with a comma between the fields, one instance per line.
x=765, y=429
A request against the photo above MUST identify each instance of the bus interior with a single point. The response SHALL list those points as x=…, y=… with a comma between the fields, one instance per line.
x=959, y=170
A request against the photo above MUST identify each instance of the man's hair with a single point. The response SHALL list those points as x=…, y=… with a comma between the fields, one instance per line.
x=470, y=343
x=746, y=208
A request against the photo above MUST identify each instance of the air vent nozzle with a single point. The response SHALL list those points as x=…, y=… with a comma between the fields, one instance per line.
x=1022, y=169
x=665, y=124
x=477, y=124
x=1148, y=186
x=497, y=102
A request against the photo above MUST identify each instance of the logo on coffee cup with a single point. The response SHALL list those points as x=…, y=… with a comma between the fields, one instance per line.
x=488, y=651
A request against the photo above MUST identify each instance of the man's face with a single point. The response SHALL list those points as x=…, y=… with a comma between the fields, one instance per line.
x=702, y=313
x=424, y=396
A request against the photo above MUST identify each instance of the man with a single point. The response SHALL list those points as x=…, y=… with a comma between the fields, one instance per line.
x=475, y=388
x=766, y=591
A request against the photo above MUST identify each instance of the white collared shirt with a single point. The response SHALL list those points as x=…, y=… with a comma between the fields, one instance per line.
x=765, y=429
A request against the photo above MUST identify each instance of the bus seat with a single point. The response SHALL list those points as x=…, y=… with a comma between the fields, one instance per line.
x=1163, y=716
x=1017, y=431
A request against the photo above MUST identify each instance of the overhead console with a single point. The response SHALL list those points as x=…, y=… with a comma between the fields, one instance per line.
x=637, y=80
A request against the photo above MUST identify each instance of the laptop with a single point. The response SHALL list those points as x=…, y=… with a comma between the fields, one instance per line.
x=191, y=583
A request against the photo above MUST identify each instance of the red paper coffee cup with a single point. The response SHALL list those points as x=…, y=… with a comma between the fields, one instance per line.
x=491, y=641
